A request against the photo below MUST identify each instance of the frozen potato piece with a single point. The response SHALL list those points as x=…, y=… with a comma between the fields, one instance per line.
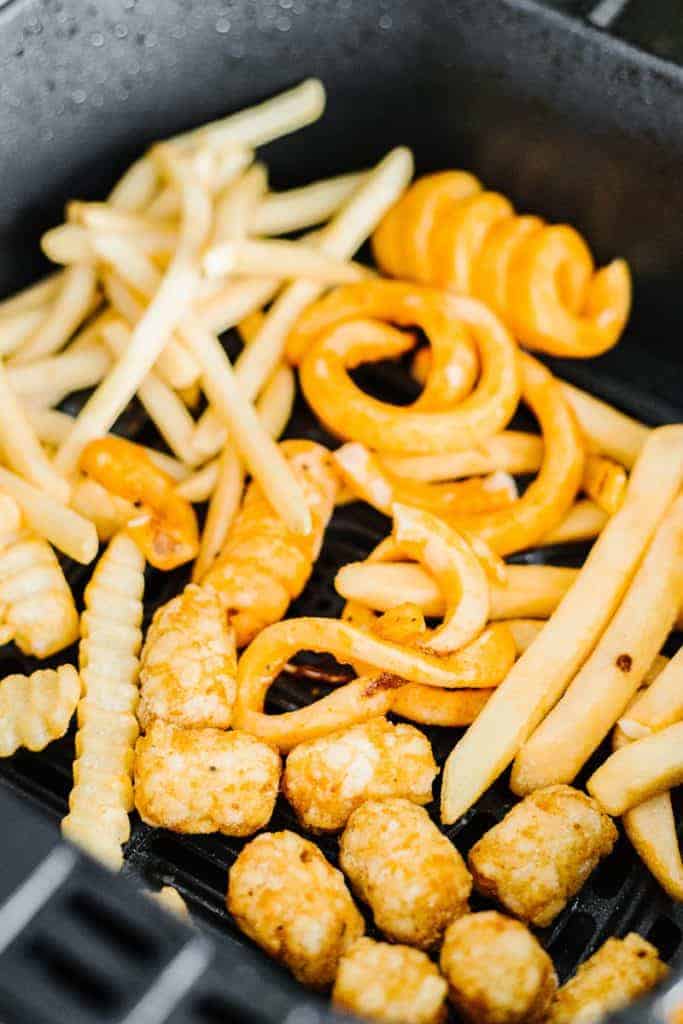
x=326, y=779
x=285, y=896
x=411, y=875
x=622, y=970
x=205, y=780
x=390, y=984
x=542, y=852
x=188, y=663
x=496, y=970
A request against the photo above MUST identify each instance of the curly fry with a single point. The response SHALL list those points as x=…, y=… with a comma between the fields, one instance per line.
x=165, y=525
x=102, y=795
x=36, y=709
x=604, y=480
x=541, y=280
x=264, y=565
x=336, y=329
x=188, y=663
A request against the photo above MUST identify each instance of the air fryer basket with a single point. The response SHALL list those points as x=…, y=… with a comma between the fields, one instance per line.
x=568, y=121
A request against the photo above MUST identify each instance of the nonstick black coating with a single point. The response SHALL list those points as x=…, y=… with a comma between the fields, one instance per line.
x=563, y=119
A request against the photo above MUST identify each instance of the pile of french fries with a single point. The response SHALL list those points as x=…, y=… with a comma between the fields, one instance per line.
x=541, y=662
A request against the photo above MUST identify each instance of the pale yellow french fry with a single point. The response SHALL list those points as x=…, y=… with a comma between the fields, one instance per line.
x=537, y=681
x=583, y=522
x=15, y=328
x=607, y=430
x=234, y=209
x=262, y=456
x=20, y=446
x=107, y=219
x=59, y=375
x=171, y=302
x=281, y=212
x=34, y=296
x=75, y=300
x=108, y=513
x=228, y=161
x=604, y=481
x=131, y=263
x=68, y=243
x=639, y=771
x=277, y=258
x=607, y=681
x=225, y=501
x=531, y=591
x=134, y=191
x=512, y=451
x=219, y=310
x=69, y=532
x=167, y=411
x=525, y=632
x=661, y=704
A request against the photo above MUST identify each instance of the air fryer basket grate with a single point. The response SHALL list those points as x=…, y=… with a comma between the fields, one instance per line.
x=619, y=896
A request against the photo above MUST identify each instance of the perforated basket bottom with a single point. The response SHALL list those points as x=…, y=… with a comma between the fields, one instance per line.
x=619, y=896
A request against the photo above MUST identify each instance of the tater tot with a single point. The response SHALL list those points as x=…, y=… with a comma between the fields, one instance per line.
x=188, y=663
x=497, y=971
x=285, y=896
x=622, y=970
x=542, y=852
x=205, y=780
x=326, y=779
x=391, y=984
x=411, y=875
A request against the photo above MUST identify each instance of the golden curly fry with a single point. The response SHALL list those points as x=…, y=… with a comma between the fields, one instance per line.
x=165, y=524
x=188, y=664
x=37, y=606
x=102, y=795
x=264, y=564
x=36, y=709
x=337, y=329
x=541, y=280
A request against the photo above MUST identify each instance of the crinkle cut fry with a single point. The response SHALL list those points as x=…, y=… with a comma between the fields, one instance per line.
x=540, y=279
x=102, y=795
x=36, y=709
x=265, y=565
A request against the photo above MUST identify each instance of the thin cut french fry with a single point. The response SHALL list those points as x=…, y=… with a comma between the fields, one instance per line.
x=263, y=458
x=106, y=219
x=583, y=522
x=281, y=212
x=225, y=501
x=68, y=243
x=222, y=309
x=59, y=375
x=69, y=532
x=135, y=189
x=531, y=591
x=340, y=239
x=604, y=480
x=607, y=430
x=165, y=408
x=15, y=328
x=77, y=298
x=34, y=296
x=167, y=308
x=639, y=771
x=541, y=675
x=20, y=446
x=524, y=632
x=130, y=262
x=227, y=163
x=276, y=258
x=607, y=681
x=234, y=209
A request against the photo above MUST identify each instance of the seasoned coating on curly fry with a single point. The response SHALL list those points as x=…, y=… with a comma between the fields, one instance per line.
x=622, y=970
x=285, y=896
x=326, y=779
x=36, y=709
x=102, y=796
x=188, y=663
x=411, y=875
x=264, y=565
x=37, y=608
x=390, y=984
x=542, y=852
x=497, y=971
x=205, y=780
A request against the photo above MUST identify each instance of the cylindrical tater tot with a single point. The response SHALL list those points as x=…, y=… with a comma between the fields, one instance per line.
x=542, y=852
x=264, y=564
x=285, y=896
x=497, y=971
x=326, y=779
x=205, y=780
x=411, y=875
x=188, y=663
x=390, y=984
x=622, y=970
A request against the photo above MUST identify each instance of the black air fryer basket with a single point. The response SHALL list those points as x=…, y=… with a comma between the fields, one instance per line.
x=549, y=105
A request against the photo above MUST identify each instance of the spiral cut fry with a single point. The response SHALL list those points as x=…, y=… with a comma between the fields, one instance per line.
x=541, y=280
x=264, y=565
x=36, y=709
x=102, y=795
x=386, y=667
x=351, y=326
x=164, y=525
